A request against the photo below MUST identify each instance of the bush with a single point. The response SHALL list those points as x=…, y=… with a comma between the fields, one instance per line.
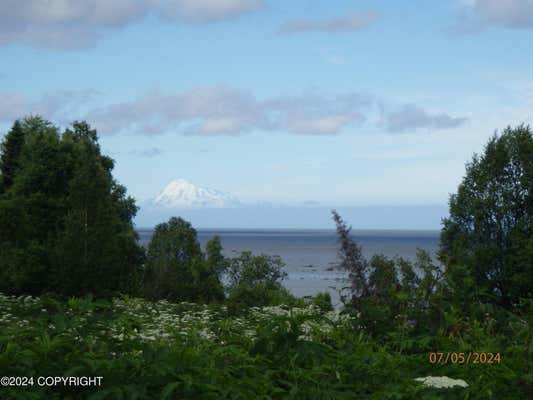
x=322, y=301
x=255, y=280
x=249, y=270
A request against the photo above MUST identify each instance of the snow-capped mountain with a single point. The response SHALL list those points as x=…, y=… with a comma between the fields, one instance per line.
x=182, y=194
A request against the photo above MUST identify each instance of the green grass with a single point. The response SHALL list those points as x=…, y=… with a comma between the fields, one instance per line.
x=147, y=350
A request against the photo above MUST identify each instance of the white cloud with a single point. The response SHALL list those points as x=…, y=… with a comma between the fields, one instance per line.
x=509, y=14
x=59, y=105
x=208, y=10
x=220, y=110
x=203, y=110
x=321, y=125
x=65, y=24
x=223, y=111
x=412, y=117
x=74, y=24
x=346, y=23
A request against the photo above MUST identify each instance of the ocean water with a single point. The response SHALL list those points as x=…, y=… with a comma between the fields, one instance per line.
x=311, y=255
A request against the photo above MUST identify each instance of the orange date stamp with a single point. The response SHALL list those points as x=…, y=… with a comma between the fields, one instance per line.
x=461, y=358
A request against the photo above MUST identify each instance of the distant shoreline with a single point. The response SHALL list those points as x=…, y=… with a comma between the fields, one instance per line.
x=355, y=232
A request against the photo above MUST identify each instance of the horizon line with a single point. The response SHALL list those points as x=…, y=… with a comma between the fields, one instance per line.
x=435, y=230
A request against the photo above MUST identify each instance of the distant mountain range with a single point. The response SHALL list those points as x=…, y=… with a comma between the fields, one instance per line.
x=182, y=194
x=211, y=208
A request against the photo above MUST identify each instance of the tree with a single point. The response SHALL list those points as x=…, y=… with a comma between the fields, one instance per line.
x=490, y=227
x=171, y=251
x=30, y=210
x=10, y=153
x=176, y=268
x=98, y=244
x=255, y=280
x=215, y=259
x=352, y=260
x=65, y=224
x=383, y=278
x=250, y=270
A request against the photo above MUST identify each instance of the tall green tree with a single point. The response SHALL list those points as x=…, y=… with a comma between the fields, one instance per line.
x=30, y=210
x=490, y=227
x=10, y=154
x=65, y=224
x=176, y=268
x=97, y=246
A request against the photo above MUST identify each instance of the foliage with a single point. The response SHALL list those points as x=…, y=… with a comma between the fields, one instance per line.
x=147, y=350
x=213, y=252
x=9, y=155
x=176, y=268
x=65, y=224
x=259, y=295
x=255, y=280
x=322, y=301
x=352, y=260
x=389, y=293
x=490, y=227
x=249, y=270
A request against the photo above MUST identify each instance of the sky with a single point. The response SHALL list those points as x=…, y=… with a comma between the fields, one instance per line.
x=295, y=103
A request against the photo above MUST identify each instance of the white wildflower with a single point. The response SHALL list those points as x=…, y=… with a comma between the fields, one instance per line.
x=441, y=382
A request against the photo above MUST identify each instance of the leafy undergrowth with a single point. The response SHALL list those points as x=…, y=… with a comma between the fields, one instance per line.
x=147, y=350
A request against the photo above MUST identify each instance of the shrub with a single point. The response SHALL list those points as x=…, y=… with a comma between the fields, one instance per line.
x=249, y=270
x=255, y=280
x=322, y=301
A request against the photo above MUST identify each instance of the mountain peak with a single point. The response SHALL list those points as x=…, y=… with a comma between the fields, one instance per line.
x=180, y=193
x=178, y=183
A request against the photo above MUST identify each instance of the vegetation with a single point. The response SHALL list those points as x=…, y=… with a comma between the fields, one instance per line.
x=163, y=350
x=9, y=160
x=490, y=228
x=65, y=223
x=176, y=268
x=178, y=322
x=388, y=292
x=256, y=281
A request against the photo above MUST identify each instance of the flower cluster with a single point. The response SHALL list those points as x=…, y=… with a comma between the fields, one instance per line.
x=441, y=382
x=134, y=319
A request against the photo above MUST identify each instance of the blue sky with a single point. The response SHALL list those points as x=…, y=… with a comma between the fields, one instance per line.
x=341, y=103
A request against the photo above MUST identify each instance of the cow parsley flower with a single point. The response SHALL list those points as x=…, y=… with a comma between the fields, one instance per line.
x=441, y=382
